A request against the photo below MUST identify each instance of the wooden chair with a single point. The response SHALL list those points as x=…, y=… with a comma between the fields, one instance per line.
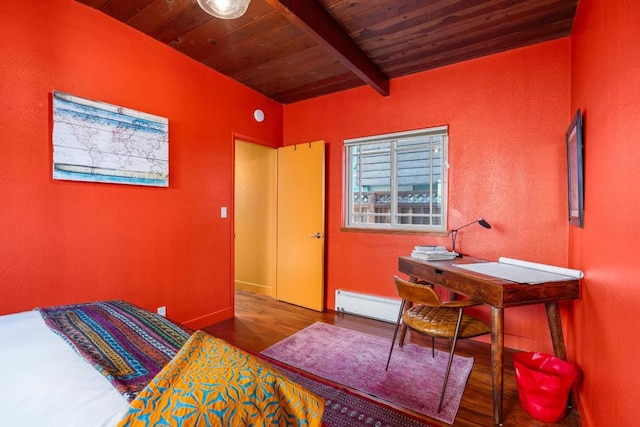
x=422, y=311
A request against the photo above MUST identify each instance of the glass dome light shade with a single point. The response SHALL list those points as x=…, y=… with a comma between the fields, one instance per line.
x=225, y=9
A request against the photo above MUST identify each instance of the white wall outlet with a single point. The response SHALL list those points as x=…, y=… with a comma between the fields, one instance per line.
x=162, y=311
x=223, y=212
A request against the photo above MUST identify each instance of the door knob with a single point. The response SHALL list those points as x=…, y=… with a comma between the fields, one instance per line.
x=316, y=236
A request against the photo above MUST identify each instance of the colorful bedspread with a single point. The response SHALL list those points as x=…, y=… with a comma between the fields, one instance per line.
x=212, y=383
x=125, y=343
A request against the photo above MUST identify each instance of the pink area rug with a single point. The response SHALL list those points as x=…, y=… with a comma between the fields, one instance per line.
x=344, y=408
x=357, y=360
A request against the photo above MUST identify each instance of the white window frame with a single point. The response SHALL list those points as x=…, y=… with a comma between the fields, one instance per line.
x=393, y=139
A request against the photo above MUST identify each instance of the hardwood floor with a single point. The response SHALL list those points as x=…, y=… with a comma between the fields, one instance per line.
x=261, y=321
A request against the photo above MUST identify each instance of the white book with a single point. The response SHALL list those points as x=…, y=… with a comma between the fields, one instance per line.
x=433, y=255
x=427, y=248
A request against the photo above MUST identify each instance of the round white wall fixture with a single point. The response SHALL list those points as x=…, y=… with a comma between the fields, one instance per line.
x=258, y=115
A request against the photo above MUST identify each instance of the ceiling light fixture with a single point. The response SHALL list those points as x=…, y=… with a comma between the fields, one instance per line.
x=225, y=9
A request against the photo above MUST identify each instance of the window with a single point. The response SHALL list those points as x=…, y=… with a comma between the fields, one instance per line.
x=397, y=181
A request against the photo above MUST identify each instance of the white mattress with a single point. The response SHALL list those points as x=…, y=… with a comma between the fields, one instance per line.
x=43, y=382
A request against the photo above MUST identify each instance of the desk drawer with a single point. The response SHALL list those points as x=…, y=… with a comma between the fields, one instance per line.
x=422, y=271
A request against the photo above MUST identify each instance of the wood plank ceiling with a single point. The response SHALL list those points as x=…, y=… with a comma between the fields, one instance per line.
x=291, y=50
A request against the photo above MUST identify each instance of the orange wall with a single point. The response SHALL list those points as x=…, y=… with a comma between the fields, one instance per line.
x=65, y=242
x=606, y=86
x=507, y=116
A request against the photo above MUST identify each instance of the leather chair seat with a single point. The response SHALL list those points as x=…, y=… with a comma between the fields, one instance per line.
x=441, y=322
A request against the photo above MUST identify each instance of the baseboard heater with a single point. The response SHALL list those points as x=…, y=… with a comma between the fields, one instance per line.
x=375, y=307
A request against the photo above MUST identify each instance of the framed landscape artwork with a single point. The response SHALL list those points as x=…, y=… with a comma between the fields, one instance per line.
x=575, y=168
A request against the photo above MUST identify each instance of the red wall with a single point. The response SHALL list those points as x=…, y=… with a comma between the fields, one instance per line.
x=65, y=242
x=606, y=86
x=507, y=116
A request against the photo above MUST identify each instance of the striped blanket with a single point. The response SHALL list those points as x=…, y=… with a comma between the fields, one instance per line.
x=125, y=343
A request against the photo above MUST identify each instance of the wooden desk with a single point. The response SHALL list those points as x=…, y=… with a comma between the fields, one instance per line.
x=499, y=294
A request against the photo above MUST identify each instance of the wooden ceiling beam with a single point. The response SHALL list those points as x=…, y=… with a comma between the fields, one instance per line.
x=315, y=21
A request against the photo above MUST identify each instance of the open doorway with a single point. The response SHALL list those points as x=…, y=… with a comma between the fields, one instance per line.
x=279, y=222
x=255, y=218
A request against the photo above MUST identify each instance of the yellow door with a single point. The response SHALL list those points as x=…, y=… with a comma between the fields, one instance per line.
x=300, y=255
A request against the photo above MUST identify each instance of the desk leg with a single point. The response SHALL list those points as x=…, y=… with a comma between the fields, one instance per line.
x=557, y=337
x=497, y=360
x=555, y=326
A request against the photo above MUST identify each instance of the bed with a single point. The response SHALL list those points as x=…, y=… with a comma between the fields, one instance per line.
x=111, y=363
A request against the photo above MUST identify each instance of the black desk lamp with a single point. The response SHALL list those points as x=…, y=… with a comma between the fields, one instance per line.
x=454, y=233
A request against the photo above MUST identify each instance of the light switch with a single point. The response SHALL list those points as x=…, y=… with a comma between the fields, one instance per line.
x=223, y=212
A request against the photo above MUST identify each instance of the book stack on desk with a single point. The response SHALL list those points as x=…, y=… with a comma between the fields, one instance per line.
x=432, y=253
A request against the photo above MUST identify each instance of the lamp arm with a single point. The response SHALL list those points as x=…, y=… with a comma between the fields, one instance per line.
x=454, y=232
x=466, y=225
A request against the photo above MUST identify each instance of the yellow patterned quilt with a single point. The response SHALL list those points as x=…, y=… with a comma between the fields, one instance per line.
x=212, y=383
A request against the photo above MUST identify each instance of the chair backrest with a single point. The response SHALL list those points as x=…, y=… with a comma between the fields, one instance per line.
x=420, y=294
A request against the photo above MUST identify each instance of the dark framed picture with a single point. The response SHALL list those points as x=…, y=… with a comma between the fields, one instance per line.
x=575, y=168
